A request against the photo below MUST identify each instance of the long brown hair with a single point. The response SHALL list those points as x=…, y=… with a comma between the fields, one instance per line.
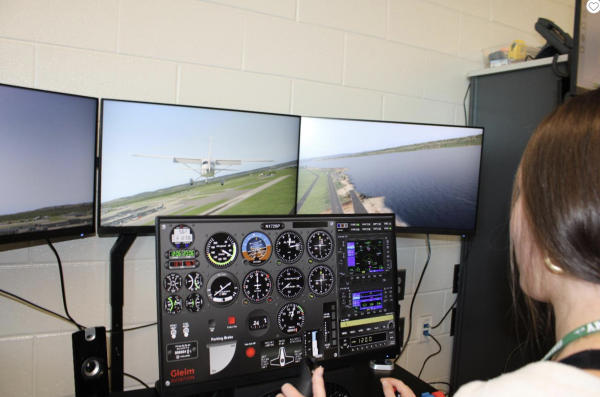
x=560, y=189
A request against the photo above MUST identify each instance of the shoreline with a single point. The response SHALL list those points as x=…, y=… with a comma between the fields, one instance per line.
x=373, y=205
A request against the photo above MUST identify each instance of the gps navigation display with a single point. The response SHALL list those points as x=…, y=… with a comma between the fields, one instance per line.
x=159, y=159
x=47, y=164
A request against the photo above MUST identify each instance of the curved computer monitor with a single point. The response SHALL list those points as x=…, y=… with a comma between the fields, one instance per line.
x=427, y=175
x=47, y=164
x=159, y=159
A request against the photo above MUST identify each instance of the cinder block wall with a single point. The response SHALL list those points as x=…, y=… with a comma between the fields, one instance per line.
x=403, y=60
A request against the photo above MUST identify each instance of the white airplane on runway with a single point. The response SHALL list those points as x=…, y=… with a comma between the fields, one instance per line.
x=208, y=166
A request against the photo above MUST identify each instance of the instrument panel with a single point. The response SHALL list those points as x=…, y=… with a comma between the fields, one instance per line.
x=244, y=299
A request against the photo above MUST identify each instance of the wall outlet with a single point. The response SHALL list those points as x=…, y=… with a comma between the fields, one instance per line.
x=424, y=327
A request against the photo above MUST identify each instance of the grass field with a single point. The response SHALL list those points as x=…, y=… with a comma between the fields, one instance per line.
x=275, y=200
x=206, y=207
x=317, y=201
x=305, y=179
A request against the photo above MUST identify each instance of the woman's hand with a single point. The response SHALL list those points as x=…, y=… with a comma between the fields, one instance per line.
x=318, y=386
x=391, y=385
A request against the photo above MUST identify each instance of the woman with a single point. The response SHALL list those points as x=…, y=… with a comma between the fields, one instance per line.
x=555, y=233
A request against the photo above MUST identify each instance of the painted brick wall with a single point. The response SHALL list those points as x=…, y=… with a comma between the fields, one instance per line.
x=401, y=60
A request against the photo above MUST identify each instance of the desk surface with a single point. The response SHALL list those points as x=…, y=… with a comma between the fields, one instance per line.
x=367, y=383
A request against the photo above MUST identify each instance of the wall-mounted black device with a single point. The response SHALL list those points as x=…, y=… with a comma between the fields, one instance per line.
x=243, y=300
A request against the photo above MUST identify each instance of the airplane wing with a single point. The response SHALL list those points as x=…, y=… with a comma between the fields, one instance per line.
x=239, y=162
x=181, y=160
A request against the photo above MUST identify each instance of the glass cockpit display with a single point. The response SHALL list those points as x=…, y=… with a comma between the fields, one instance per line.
x=365, y=256
x=159, y=159
x=47, y=164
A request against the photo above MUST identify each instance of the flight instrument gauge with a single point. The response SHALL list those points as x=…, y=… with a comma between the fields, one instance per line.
x=289, y=247
x=173, y=304
x=291, y=318
x=290, y=283
x=222, y=289
x=256, y=248
x=194, y=303
x=320, y=280
x=182, y=236
x=257, y=286
x=221, y=250
x=193, y=281
x=172, y=282
x=320, y=245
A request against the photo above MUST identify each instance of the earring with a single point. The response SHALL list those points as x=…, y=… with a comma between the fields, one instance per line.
x=552, y=267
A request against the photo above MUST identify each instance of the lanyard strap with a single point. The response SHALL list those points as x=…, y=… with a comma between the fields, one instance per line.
x=584, y=330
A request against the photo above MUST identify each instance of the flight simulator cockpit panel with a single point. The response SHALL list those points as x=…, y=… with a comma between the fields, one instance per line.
x=245, y=299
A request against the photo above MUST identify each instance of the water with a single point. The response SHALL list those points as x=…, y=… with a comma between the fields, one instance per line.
x=434, y=188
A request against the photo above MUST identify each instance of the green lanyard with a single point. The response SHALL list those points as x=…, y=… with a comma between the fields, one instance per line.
x=584, y=330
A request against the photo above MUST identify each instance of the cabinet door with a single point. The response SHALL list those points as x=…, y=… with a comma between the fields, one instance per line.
x=509, y=106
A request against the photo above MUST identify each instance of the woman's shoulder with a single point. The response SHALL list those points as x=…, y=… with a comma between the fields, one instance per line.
x=550, y=378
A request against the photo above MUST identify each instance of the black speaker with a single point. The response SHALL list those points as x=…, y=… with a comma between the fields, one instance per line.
x=90, y=368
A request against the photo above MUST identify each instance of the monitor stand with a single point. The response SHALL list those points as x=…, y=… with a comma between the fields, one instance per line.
x=382, y=365
x=117, y=276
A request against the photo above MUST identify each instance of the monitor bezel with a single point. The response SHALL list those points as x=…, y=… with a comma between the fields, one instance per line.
x=74, y=232
x=113, y=231
x=574, y=54
x=420, y=230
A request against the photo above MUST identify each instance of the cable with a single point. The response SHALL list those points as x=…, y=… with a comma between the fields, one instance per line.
x=557, y=72
x=134, y=328
x=37, y=307
x=62, y=285
x=140, y=327
x=412, y=303
x=465, y=104
x=442, y=383
x=136, y=379
x=446, y=315
x=431, y=355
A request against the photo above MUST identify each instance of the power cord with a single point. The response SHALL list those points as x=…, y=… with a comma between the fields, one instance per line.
x=37, y=307
x=62, y=286
x=137, y=379
x=25, y=302
x=431, y=355
x=412, y=302
x=445, y=315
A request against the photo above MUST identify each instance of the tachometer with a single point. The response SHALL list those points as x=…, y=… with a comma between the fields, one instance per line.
x=291, y=318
